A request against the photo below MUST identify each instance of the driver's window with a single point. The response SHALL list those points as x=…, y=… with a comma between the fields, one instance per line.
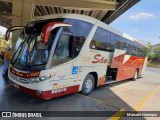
x=62, y=51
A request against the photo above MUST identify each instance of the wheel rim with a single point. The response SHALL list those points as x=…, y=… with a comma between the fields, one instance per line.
x=88, y=85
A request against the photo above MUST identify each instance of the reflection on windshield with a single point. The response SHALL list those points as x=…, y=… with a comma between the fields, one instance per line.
x=19, y=60
x=30, y=46
x=38, y=57
x=20, y=40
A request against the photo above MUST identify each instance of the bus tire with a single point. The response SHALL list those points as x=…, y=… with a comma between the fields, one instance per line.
x=88, y=84
x=136, y=75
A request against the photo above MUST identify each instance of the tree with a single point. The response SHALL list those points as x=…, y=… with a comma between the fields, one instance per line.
x=157, y=52
x=151, y=57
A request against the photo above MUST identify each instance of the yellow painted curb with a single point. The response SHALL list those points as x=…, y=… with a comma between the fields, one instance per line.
x=118, y=114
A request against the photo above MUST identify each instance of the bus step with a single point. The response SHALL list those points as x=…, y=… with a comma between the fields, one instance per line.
x=110, y=82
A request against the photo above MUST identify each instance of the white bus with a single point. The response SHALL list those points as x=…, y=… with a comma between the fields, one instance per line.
x=67, y=53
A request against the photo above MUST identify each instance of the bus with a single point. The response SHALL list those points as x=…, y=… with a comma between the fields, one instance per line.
x=63, y=54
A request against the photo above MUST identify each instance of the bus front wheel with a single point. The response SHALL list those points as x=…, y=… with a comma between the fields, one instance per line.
x=88, y=84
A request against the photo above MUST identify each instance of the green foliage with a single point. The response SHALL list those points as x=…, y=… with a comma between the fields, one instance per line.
x=155, y=55
x=144, y=51
x=157, y=52
x=151, y=56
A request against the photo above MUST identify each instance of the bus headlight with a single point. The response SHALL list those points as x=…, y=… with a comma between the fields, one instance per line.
x=38, y=79
x=43, y=78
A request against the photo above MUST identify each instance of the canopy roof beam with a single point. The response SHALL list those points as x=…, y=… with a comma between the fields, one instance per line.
x=83, y=4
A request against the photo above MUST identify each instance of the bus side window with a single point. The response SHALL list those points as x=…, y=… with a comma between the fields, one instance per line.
x=78, y=43
x=116, y=41
x=61, y=54
x=133, y=50
x=80, y=30
x=101, y=40
x=126, y=46
x=71, y=41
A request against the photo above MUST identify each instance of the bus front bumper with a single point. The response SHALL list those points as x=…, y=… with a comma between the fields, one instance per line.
x=46, y=94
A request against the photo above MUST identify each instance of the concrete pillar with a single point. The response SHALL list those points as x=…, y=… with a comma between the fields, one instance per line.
x=22, y=12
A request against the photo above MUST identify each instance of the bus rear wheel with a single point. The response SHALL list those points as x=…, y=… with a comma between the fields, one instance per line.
x=136, y=75
x=88, y=84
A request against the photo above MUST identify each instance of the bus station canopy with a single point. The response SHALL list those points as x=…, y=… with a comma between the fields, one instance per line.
x=104, y=10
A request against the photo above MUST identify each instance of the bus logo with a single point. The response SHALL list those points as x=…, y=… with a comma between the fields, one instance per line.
x=99, y=59
x=74, y=70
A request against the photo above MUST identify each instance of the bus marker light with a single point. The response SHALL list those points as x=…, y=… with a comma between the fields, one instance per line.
x=38, y=92
x=16, y=86
x=55, y=84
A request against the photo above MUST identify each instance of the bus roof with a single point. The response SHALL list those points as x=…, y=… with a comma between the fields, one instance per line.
x=90, y=20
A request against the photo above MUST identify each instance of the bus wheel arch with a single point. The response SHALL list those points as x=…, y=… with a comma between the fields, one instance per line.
x=89, y=83
x=136, y=74
x=95, y=78
x=138, y=70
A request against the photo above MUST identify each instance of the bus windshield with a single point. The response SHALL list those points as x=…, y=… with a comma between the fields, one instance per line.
x=31, y=52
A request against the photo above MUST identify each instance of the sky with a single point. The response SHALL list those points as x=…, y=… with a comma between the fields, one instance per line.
x=142, y=21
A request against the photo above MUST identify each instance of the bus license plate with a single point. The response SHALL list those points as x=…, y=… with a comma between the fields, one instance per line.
x=16, y=86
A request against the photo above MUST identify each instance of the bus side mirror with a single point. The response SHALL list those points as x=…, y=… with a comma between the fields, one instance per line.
x=11, y=29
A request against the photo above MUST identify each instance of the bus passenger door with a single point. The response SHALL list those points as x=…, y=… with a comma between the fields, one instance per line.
x=62, y=72
x=117, y=63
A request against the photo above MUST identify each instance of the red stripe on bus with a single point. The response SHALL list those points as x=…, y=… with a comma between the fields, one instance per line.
x=47, y=94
